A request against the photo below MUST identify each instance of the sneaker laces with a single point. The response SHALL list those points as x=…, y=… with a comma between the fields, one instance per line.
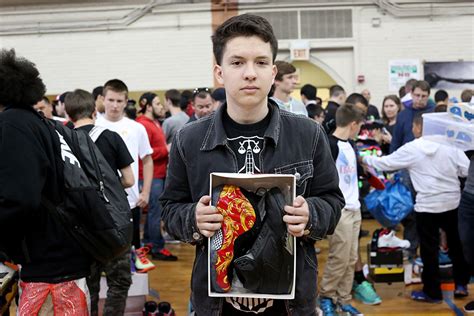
x=141, y=254
x=327, y=306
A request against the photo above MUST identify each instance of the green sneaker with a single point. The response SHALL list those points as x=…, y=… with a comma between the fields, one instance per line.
x=365, y=293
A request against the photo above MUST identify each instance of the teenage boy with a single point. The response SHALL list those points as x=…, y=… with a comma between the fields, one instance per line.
x=338, y=276
x=150, y=109
x=53, y=265
x=135, y=137
x=80, y=108
x=434, y=170
x=245, y=49
x=286, y=80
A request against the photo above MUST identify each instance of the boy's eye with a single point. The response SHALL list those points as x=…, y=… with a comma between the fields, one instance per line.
x=236, y=62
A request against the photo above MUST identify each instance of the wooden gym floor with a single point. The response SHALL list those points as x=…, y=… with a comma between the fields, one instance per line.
x=171, y=280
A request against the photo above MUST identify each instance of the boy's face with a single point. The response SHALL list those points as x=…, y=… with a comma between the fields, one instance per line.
x=417, y=130
x=246, y=71
x=288, y=83
x=355, y=129
x=114, y=104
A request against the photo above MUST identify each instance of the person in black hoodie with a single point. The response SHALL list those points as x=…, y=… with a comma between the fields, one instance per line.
x=338, y=97
x=52, y=263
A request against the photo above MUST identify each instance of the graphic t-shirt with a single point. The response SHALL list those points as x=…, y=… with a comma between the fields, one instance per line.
x=346, y=164
x=246, y=141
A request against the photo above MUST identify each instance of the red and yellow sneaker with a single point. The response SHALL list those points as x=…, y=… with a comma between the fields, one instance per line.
x=239, y=217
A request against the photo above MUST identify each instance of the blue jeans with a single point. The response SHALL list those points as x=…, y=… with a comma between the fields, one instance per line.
x=152, y=230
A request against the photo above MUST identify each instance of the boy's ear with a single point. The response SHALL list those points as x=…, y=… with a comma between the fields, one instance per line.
x=274, y=73
x=218, y=74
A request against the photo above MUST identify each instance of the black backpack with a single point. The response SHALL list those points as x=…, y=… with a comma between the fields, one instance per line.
x=94, y=208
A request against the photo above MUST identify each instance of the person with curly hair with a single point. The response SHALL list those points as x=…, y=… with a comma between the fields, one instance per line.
x=53, y=266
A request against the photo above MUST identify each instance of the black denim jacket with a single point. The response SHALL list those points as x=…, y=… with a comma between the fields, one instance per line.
x=293, y=144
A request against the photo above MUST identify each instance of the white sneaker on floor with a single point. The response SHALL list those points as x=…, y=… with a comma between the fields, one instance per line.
x=391, y=241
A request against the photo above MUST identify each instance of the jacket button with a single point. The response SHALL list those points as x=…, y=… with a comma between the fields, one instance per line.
x=196, y=236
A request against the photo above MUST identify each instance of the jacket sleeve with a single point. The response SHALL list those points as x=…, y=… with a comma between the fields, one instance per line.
x=179, y=214
x=325, y=199
x=403, y=158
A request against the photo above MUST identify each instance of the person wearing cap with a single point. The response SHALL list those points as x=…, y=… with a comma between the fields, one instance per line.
x=218, y=98
x=202, y=104
x=150, y=109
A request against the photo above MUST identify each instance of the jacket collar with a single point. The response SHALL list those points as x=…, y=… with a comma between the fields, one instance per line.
x=215, y=134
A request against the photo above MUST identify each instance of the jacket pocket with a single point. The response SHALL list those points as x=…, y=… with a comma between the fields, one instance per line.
x=303, y=171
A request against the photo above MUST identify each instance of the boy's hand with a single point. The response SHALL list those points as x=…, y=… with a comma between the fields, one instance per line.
x=297, y=216
x=143, y=199
x=208, y=219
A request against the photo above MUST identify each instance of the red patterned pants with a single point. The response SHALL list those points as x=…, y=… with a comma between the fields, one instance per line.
x=63, y=299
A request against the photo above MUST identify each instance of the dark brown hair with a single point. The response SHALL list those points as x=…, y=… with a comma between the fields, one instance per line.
x=79, y=104
x=347, y=114
x=283, y=68
x=395, y=99
x=243, y=25
x=115, y=85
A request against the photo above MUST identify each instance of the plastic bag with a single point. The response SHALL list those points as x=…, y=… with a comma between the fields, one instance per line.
x=391, y=205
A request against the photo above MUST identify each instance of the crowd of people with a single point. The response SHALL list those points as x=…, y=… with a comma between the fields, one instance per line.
x=163, y=150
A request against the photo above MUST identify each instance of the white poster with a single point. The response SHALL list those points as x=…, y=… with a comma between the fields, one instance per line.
x=399, y=71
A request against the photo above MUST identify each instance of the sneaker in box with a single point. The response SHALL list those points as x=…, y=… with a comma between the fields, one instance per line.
x=252, y=255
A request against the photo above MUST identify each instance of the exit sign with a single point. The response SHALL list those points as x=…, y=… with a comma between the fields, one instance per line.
x=299, y=50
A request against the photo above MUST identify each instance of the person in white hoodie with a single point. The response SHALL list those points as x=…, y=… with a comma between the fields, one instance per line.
x=434, y=170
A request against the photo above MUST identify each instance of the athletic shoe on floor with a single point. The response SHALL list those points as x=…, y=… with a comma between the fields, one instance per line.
x=423, y=297
x=150, y=308
x=164, y=255
x=391, y=241
x=365, y=293
x=164, y=309
x=351, y=310
x=142, y=264
x=327, y=306
x=461, y=291
x=469, y=307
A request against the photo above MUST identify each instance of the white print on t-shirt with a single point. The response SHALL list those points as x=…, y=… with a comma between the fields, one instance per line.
x=248, y=147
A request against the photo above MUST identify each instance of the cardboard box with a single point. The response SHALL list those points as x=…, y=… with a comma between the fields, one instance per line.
x=255, y=183
x=139, y=285
x=387, y=259
x=387, y=274
x=136, y=294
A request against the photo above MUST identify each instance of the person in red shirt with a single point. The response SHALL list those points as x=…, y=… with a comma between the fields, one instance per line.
x=150, y=108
